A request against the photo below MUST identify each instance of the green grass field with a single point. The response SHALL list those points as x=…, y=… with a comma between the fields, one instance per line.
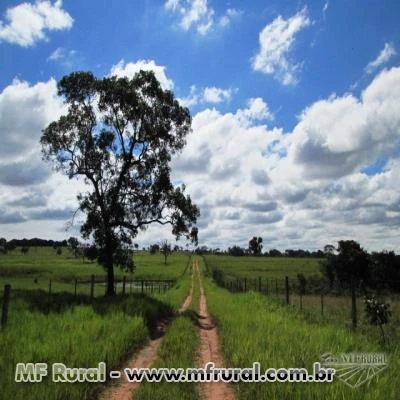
x=336, y=307
x=264, y=267
x=34, y=269
x=81, y=333
x=254, y=327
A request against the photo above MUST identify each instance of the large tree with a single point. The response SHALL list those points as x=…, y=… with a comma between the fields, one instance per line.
x=255, y=245
x=119, y=135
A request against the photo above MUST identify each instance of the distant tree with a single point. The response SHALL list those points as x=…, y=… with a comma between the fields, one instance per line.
x=318, y=254
x=165, y=249
x=385, y=270
x=3, y=246
x=74, y=244
x=136, y=246
x=10, y=246
x=289, y=253
x=202, y=250
x=119, y=135
x=255, y=245
x=176, y=248
x=350, y=264
x=154, y=248
x=236, y=251
x=275, y=253
x=58, y=251
x=329, y=249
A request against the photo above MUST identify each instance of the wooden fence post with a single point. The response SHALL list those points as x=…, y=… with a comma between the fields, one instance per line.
x=245, y=284
x=123, y=284
x=301, y=301
x=6, y=301
x=76, y=286
x=92, y=287
x=259, y=284
x=142, y=285
x=353, y=307
x=287, y=289
x=266, y=286
x=276, y=287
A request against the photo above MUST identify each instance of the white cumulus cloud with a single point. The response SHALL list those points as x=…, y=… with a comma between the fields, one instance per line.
x=276, y=42
x=27, y=23
x=216, y=95
x=252, y=179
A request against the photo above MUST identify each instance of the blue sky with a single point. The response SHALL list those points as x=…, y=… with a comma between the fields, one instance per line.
x=293, y=105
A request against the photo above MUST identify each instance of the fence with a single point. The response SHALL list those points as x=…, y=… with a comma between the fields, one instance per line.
x=290, y=292
x=123, y=286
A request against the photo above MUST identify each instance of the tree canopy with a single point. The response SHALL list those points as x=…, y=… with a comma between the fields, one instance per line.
x=255, y=245
x=119, y=135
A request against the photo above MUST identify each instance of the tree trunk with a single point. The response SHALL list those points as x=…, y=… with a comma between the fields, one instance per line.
x=110, y=273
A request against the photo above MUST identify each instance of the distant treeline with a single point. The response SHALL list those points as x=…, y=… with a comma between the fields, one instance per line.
x=14, y=243
x=240, y=251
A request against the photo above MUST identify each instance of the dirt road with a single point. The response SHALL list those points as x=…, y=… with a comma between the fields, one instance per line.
x=210, y=351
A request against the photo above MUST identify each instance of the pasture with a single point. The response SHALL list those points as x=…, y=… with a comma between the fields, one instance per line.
x=80, y=331
x=265, y=267
x=34, y=270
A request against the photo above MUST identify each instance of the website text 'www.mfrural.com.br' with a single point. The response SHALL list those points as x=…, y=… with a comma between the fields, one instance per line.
x=212, y=374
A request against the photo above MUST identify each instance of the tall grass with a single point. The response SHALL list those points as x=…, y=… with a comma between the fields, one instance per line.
x=177, y=294
x=78, y=335
x=255, y=328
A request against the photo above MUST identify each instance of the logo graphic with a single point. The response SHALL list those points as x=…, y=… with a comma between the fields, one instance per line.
x=354, y=369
